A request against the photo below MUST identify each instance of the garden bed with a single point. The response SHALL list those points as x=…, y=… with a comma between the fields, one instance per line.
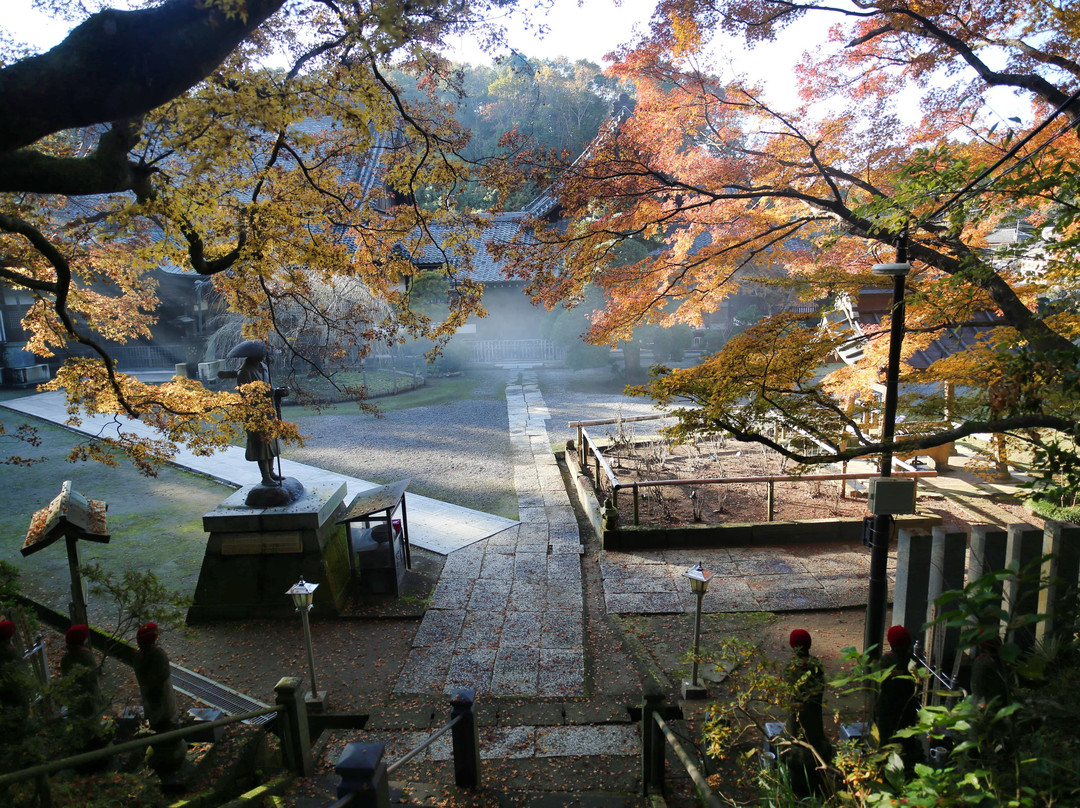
x=718, y=514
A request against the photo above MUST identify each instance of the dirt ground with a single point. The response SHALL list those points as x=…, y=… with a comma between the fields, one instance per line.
x=720, y=503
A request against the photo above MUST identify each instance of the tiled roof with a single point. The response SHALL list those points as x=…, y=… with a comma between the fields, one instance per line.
x=857, y=324
x=501, y=229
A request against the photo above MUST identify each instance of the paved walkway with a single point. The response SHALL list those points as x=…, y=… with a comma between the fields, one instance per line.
x=506, y=615
x=433, y=525
x=782, y=578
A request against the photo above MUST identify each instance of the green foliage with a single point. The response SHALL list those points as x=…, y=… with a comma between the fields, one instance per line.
x=9, y=584
x=580, y=356
x=1019, y=750
x=108, y=790
x=454, y=358
x=552, y=104
x=1056, y=503
x=672, y=343
x=137, y=597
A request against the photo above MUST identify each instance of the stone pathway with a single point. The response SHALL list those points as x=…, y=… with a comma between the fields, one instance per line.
x=747, y=579
x=506, y=615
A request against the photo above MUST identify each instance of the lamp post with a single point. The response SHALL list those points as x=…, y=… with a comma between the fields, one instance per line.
x=699, y=585
x=878, y=598
x=302, y=595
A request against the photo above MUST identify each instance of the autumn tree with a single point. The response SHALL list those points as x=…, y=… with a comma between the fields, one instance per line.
x=256, y=143
x=740, y=191
x=552, y=104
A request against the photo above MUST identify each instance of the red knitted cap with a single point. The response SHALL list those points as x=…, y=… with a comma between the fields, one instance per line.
x=77, y=635
x=147, y=634
x=899, y=636
x=7, y=629
x=800, y=638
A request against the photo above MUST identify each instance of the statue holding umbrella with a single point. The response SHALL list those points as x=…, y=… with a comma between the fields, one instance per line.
x=261, y=448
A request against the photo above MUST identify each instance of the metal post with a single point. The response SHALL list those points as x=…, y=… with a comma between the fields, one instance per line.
x=697, y=640
x=310, y=651
x=694, y=689
x=771, y=500
x=637, y=506
x=466, y=739
x=878, y=598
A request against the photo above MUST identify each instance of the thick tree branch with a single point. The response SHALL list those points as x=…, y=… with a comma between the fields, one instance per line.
x=118, y=65
x=108, y=170
x=1026, y=421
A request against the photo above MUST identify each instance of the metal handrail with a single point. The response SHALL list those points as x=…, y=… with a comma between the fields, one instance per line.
x=589, y=446
x=130, y=746
x=946, y=681
x=422, y=745
x=782, y=478
x=706, y=793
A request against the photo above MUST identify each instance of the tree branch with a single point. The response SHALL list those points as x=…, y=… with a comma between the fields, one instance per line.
x=118, y=65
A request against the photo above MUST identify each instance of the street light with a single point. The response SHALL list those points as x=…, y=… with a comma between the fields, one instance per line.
x=878, y=598
x=302, y=595
x=699, y=585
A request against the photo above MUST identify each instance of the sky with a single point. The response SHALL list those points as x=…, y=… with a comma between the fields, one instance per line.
x=578, y=29
x=590, y=29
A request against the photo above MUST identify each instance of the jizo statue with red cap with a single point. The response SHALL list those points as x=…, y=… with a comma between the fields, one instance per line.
x=14, y=678
x=80, y=664
x=154, y=674
x=811, y=748
x=897, y=703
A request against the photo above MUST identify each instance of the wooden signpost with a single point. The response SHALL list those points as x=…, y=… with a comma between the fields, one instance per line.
x=70, y=516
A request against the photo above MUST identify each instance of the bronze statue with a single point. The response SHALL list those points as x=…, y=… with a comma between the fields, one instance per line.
x=261, y=448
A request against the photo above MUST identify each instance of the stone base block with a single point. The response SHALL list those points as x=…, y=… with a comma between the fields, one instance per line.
x=254, y=555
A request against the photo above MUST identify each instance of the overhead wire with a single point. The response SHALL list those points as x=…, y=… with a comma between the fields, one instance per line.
x=1009, y=154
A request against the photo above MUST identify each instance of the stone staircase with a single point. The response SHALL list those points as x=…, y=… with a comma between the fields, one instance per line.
x=544, y=753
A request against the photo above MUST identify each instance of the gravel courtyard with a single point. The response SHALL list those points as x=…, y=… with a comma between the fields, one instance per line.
x=458, y=451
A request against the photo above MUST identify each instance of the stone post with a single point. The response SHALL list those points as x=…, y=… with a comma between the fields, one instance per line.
x=988, y=552
x=652, y=742
x=362, y=768
x=295, y=738
x=948, y=554
x=1061, y=541
x=912, y=581
x=1021, y=596
x=466, y=739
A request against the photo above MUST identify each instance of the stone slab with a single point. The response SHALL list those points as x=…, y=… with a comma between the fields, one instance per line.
x=309, y=512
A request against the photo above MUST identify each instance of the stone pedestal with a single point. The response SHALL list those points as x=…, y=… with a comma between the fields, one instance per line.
x=255, y=554
x=948, y=560
x=1061, y=542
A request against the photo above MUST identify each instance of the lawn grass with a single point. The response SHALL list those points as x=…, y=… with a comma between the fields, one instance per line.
x=155, y=522
x=437, y=390
x=376, y=383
